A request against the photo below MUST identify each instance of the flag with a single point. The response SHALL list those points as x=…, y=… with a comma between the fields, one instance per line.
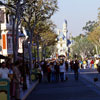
x=68, y=42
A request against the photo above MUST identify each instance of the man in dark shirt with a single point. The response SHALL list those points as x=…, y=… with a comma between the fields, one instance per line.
x=75, y=68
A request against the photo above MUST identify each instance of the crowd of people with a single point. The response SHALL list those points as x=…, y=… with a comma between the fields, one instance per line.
x=55, y=70
x=89, y=63
x=46, y=71
x=14, y=73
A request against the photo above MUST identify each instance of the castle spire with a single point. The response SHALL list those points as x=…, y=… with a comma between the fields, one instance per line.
x=65, y=28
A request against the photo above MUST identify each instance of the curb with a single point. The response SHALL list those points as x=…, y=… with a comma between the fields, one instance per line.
x=97, y=84
x=29, y=91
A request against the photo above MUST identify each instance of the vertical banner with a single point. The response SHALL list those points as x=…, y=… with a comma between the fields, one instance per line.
x=4, y=41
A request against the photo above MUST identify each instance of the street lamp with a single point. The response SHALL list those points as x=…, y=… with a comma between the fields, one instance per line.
x=23, y=42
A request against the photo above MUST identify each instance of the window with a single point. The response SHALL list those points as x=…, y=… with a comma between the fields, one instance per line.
x=9, y=43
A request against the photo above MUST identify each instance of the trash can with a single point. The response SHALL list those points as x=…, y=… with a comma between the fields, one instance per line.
x=4, y=89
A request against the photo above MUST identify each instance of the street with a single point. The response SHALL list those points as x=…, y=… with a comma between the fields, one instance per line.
x=69, y=90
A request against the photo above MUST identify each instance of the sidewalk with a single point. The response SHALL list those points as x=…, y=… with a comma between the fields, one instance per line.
x=89, y=76
x=30, y=87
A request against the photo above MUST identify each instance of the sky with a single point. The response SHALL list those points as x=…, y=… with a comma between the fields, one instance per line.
x=77, y=13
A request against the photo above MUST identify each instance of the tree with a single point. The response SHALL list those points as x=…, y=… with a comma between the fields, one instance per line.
x=82, y=46
x=36, y=11
x=46, y=34
x=90, y=26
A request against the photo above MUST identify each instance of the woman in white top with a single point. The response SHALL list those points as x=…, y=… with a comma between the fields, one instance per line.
x=62, y=71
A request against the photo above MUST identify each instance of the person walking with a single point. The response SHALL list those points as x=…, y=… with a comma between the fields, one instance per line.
x=49, y=73
x=57, y=71
x=92, y=64
x=75, y=68
x=62, y=70
x=52, y=72
x=98, y=66
x=16, y=81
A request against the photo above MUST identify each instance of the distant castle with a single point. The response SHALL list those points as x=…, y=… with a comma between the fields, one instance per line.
x=62, y=38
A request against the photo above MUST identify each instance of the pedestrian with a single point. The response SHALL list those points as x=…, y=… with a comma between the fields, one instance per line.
x=98, y=66
x=66, y=65
x=16, y=81
x=84, y=64
x=62, y=70
x=39, y=74
x=4, y=71
x=75, y=68
x=57, y=72
x=92, y=63
x=89, y=63
x=96, y=63
x=11, y=79
x=71, y=64
x=44, y=69
x=49, y=73
x=52, y=71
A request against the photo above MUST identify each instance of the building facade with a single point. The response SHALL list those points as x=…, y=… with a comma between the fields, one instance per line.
x=6, y=36
x=6, y=43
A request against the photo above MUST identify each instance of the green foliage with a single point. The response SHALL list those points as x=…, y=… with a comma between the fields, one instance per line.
x=46, y=33
x=49, y=50
x=90, y=26
x=38, y=10
x=82, y=46
x=94, y=36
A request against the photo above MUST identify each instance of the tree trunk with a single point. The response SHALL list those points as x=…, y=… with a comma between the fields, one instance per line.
x=38, y=58
x=17, y=37
x=13, y=39
x=30, y=59
x=96, y=49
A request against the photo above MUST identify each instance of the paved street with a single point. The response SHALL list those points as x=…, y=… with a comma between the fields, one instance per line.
x=69, y=90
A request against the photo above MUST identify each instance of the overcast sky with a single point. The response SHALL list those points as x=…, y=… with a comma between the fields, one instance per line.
x=77, y=13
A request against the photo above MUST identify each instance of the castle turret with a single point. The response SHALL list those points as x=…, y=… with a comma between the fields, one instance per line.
x=65, y=28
